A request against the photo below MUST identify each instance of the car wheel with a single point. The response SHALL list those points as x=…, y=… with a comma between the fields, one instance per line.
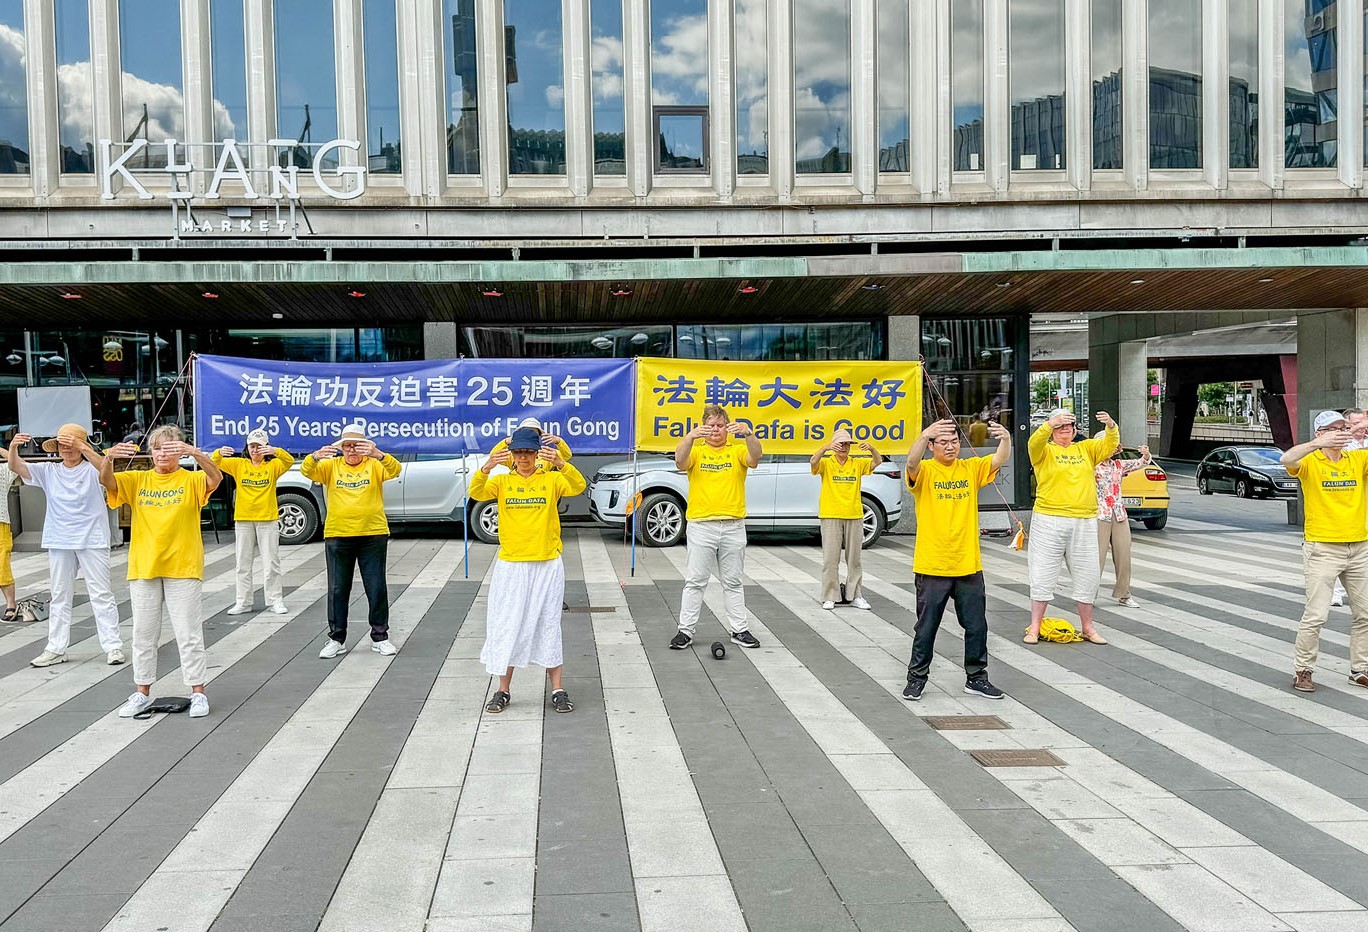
x=1242, y=488
x=1202, y=487
x=1156, y=524
x=660, y=520
x=874, y=521
x=298, y=518
x=484, y=521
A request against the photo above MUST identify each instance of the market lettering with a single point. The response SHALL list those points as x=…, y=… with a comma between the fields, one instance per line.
x=230, y=167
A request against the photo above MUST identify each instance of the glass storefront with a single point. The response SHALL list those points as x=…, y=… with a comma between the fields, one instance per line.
x=863, y=339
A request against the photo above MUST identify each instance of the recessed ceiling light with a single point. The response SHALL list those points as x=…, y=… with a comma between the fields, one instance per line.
x=209, y=294
x=1265, y=281
x=356, y=294
x=640, y=338
x=601, y=343
x=747, y=289
x=492, y=291
x=1004, y=284
x=71, y=296
x=872, y=286
x=1137, y=281
x=620, y=291
x=277, y=315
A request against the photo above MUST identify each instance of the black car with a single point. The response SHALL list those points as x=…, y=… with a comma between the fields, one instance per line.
x=1249, y=472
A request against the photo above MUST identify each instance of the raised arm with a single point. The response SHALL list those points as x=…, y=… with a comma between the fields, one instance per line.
x=1003, y=454
x=212, y=474
x=874, y=455
x=816, y=458
x=479, y=488
x=16, y=462
x=915, y=453
x=1338, y=439
x=753, y=451
x=684, y=448
x=118, y=451
x=574, y=479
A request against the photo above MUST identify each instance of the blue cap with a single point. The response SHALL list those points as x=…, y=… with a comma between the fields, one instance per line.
x=525, y=438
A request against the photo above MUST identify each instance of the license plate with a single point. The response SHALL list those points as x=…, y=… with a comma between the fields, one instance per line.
x=1131, y=502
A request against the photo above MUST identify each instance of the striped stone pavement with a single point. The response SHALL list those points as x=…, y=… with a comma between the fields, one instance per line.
x=787, y=788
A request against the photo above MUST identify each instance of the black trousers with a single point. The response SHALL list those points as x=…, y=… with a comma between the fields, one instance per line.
x=344, y=555
x=933, y=592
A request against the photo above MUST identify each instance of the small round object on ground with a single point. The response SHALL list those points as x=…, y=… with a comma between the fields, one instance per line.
x=718, y=650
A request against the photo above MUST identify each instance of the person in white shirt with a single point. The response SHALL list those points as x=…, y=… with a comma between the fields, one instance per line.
x=75, y=535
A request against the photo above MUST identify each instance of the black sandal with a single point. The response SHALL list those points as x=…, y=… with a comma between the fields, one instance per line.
x=560, y=701
x=11, y=614
x=498, y=702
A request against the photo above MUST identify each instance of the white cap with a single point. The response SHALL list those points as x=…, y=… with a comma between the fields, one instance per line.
x=530, y=422
x=1329, y=419
x=259, y=436
x=1064, y=411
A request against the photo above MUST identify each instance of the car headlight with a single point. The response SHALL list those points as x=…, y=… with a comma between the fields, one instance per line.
x=611, y=476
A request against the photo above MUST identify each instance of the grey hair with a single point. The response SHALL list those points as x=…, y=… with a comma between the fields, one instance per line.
x=162, y=434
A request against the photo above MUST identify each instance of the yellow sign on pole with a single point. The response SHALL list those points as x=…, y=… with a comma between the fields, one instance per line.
x=793, y=407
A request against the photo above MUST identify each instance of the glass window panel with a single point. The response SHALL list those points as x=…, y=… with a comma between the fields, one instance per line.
x=285, y=343
x=535, y=63
x=382, y=87
x=610, y=140
x=683, y=135
x=1244, y=83
x=894, y=54
x=306, y=81
x=752, y=88
x=1108, y=142
x=966, y=82
x=778, y=342
x=679, y=61
x=566, y=342
x=1175, y=84
x=821, y=60
x=1310, y=95
x=462, y=79
x=1035, y=79
x=14, y=142
x=150, y=54
x=390, y=344
x=228, y=41
x=75, y=113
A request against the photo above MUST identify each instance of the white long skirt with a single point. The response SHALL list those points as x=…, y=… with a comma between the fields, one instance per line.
x=523, y=624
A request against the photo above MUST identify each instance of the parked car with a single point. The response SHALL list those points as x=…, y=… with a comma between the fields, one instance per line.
x=430, y=487
x=1145, y=493
x=1249, y=472
x=781, y=493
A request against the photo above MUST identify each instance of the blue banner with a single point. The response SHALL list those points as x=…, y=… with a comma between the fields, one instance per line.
x=443, y=406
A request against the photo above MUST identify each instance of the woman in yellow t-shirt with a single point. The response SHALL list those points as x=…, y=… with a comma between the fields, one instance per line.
x=256, y=517
x=165, y=557
x=841, y=513
x=527, y=584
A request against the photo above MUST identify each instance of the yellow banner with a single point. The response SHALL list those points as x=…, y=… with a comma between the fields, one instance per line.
x=793, y=407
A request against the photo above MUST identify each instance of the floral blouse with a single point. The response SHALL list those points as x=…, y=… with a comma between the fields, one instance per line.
x=1109, y=474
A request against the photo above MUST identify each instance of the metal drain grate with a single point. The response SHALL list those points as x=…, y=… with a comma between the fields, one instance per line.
x=587, y=609
x=1016, y=758
x=964, y=722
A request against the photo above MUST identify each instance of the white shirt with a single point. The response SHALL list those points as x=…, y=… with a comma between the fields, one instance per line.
x=6, y=480
x=77, y=516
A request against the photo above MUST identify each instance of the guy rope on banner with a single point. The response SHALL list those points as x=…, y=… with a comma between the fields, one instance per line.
x=184, y=374
x=1019, y=538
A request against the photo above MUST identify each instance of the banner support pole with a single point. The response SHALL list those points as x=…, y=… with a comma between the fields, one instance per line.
x=465, y=516
x=636, y=484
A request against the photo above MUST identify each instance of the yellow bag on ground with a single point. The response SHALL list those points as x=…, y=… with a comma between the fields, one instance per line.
x=1059, y=631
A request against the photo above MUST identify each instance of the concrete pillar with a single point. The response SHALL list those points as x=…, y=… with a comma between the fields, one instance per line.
x=904, y=342
x=440, y=340
x=1117, y=365
x=1332, y=363
x=1132, y=363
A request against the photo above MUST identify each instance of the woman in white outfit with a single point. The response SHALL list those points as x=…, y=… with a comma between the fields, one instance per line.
x=527, y=584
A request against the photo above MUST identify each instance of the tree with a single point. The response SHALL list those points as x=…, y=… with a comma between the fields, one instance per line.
x=1215, y=394
x=1043, y=391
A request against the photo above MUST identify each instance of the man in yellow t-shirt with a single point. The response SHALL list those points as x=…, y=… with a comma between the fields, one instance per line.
x=1334, y=484
x=841, y=512
x=716, y=468
x=947, y=563
x=527, y=583
x=356, y=532
x=256, y=517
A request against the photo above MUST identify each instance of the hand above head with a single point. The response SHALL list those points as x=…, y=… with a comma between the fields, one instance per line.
x=502, y=458
x=1060, y=420
x=940, y=430
x=551, y=456
x=327, y=451
x=124, y=450
x=226, y=451
x=20, y=439
x=997, y=431
x=1105, y=419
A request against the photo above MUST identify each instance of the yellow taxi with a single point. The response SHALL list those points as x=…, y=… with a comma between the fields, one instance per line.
x=1145, y=493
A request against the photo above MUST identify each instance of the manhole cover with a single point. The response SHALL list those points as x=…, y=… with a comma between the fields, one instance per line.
x=586, y=609
x=1016, y=758
x=964, y=722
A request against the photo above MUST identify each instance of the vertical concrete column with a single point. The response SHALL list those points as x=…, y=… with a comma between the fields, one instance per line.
x=261, y=95
x=493, y=96
x=440, y=340
x=1117, y=364
x=997, y=102
x=1272, y=64
x=106, y=79
x=199, y=112
x=1216, y=93
x=923, y=77
x=942, y=130
x=1078, y=92
x=579, y=104
x=1132, y=362
x=781, y=118
x=1135, y=92
x=423, y=104
x=864, y=55
x=40, y=57
x=1349, y=23
x=904, y=342
x=721, y=97
x=349, y=48
x=1332, y=363
x=636, y=95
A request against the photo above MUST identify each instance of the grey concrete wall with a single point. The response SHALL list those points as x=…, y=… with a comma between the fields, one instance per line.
x=440, y=341
x=904, y=342
x=1332, y=368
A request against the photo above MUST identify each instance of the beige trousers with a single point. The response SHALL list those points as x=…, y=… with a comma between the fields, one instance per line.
x=838, y=533
x=180, y=600
x=1117, y=536
x=252, y=536
x=1324, y=563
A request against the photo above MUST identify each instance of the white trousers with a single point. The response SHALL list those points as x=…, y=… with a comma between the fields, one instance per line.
x=1056, y=542
x=180, y=599
x=94, y=563
x=251, y=537
x=716, y=548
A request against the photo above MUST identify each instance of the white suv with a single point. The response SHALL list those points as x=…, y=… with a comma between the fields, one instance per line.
x=781, y=493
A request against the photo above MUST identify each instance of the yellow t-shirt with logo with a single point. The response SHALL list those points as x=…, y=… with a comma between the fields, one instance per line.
x=840, y=494
x=946, y=499
x=562, y=447
x=164, y=539
x=1336, y=504
x=356, y=497
x=717, y=481
x=256, y=485
x=529, y=521
x=1066, y=483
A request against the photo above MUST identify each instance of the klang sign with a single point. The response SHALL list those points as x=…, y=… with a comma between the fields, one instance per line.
x=284, y=180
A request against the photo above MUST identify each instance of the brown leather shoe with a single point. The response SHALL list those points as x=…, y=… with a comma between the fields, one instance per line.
x=1302, y=682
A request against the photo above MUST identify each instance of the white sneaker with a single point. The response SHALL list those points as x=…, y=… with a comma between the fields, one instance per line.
x=115, y=657
x=332, y=649
x=384, y=648
x=47, y=658
x=859, y=602
x=199, y=705
x=239, y=609
x=135, y=704
x=1129, y=602
x=279, y=608
x=828, y=605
